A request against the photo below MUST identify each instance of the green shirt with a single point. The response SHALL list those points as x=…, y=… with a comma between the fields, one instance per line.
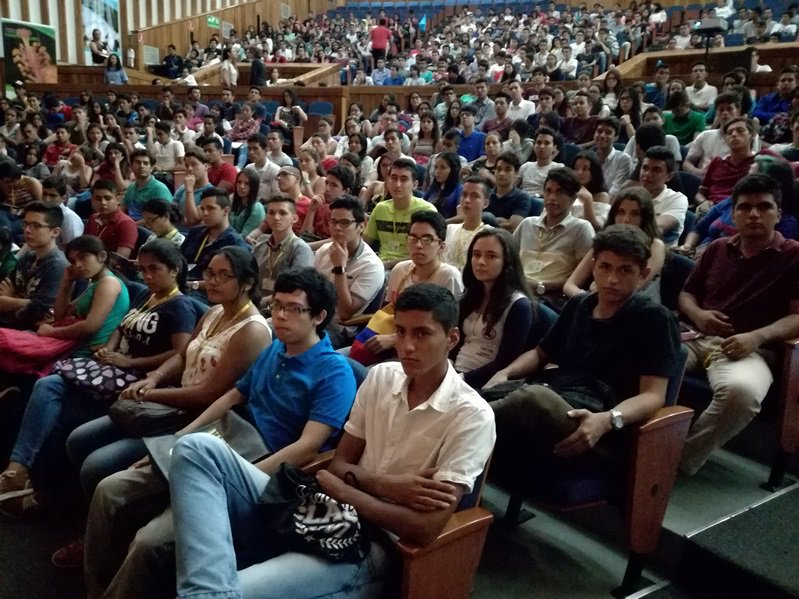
x=684, y=128
x=391, y=227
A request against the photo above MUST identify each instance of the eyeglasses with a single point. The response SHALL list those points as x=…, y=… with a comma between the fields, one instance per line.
x=221, y=276
x=424, y=239
x=290, y=310
x=343, y=223
x=35, y=226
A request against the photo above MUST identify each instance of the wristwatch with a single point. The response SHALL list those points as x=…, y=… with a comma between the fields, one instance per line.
x=616, y=419
x=338, y=270
x=195, y=285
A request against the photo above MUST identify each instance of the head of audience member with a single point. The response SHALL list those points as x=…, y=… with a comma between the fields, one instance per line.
x=196, y=162
x=633, y=206
x=214, y=209
x=657, y=168
x=662, y=74
x=699, y=74
x=506, y=170
x=41, y=226
x=581, y=103
x=105, y=201
x=727, y=107
x=621, y=253
x=501, y=104
x=426, y=237
x=648, y=136
x=547, y=145
x=739, y=133
x=162, y=266
x=256, y=148
x=231, y=277
x=446, y=172
x=474, y=198
x=606, y=133
x=679, y=103
x=560, y=192
x=589, y=172
x=339, y=181
x=492, y=262
x=303, y=304
x=54, y=190
x=281, y=214
x=782, y=172
x=87, y=256
x=159, y=216
x=289, y=179
x=347, y=221
x=401, y=179
x=426, y=318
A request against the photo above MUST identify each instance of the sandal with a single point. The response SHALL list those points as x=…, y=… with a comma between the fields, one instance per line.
x=69, y=556
x=9, y=490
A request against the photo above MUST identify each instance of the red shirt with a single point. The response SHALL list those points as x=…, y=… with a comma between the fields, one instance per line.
x=224, y=172
x=119, y=232
x=301, y=204
x=54, y=153
x=381, y=36
x=329, y=162
x=722, y=175
x=753, y=292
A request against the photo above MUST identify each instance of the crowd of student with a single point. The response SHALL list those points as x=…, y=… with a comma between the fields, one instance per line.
x=491, y=236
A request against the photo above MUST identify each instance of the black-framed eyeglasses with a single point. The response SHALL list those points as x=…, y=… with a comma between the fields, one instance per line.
x=35, y=226
x=292, y=310
x=213, y=276
x=343, y=223
x=425, y=240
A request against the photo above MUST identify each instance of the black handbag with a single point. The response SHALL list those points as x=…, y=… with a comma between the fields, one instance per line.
x=303, y=518
x=148, y=418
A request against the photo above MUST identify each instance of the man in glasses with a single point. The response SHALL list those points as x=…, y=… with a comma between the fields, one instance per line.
x=425, y=246
x=297, y=394
x=213, y=232
x=351, y=265
x=30, y=292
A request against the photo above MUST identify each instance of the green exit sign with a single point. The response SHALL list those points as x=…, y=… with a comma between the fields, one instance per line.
x=213, y=21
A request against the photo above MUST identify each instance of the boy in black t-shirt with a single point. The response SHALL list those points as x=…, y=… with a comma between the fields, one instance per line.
x=615, y=350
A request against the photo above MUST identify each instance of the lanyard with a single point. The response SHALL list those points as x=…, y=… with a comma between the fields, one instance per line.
x=202, y=247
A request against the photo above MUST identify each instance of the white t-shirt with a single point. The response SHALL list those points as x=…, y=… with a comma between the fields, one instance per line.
x=267, y=175
x=71, y=228
x=702, y=98
x=533, y=176
x=365, y=273
x=401, y=277
x=522, y=111
x=458, y=241
x=166, y=155
x=477, y=349
x=672, y=203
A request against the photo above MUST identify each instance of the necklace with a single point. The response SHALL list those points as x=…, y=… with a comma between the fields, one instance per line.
x=215, y=329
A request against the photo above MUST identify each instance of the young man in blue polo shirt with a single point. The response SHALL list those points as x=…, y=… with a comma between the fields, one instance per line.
x=145, y=186
x=298, y=394
x=471, y=147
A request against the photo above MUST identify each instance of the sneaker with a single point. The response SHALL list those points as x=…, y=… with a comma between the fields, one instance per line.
x=20, y=507
x=10, y=490
x=69, y=556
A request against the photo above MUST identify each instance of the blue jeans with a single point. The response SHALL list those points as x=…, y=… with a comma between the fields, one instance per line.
x=100, y=448
x=220, y=547
x=244, y=153
x=40, y=419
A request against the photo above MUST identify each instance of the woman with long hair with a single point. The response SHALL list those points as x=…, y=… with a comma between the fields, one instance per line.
x=496, y=309
x=633, y=206
x=425, y=142
x=156, y=329
x=611, y=88
x=358, y=144
x=114, y=167
x=628, y=111
x=445, y=189
x=452, y=119
x=246, y=212
x=225, y=342
x=313, y=175
x=593, y=201
x=30, y=157
x=114, y=72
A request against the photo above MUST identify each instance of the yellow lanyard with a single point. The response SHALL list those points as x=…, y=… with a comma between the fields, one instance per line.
x=213, y=331
x=202, y=247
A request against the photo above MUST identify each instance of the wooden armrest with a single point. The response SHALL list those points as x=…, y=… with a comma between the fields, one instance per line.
x=460, y=524
x=356, y=321
x=789, y=397
x=320, y=462
x=666, y=416
x=655, y=456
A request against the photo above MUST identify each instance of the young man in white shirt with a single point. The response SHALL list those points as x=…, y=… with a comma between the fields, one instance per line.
x=167, y=151
x=616, y=165
x=701, y=93
x=352, y=266
x=519, y=108
x=417, y=439
x=474, y=200
x=712, y=142
x=265, y=169
x=670, y=206
x=54, y=193
x=534, y=174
